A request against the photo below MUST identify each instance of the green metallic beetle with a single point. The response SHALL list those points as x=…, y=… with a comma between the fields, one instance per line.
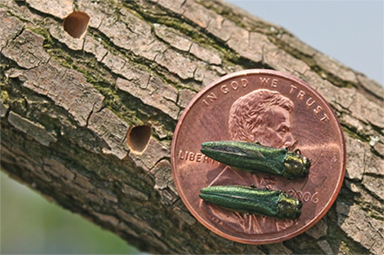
x=253, y=157
x=275, y=203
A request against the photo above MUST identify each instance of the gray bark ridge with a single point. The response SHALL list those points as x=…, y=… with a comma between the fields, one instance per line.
x=67, y=105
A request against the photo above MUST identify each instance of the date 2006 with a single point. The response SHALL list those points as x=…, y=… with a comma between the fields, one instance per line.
x=305, y=196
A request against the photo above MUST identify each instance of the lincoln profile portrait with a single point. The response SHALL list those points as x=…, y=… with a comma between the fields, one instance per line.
x=262, y=116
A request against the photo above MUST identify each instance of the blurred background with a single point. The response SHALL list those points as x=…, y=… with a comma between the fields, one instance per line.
x=350, y=31
x=32, y=225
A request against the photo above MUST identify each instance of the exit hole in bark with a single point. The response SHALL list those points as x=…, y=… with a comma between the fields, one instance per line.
x=138, y=138
x=76, y=24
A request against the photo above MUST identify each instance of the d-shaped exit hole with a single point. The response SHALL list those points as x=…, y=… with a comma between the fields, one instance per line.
x=138, y=138
x=76, y=24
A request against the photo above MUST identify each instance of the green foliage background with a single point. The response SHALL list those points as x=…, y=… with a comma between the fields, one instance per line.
x=32, y=225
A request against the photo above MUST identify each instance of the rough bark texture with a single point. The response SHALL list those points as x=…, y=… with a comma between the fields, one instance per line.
x=67, y=104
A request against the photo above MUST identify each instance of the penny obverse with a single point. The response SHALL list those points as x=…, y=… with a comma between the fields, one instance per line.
x=276, y=110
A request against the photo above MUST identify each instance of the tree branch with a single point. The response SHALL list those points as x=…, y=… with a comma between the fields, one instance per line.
x=67, y=105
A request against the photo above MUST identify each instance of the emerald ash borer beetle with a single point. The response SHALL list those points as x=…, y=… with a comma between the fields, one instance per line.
x=254, y=157
x=275, y=203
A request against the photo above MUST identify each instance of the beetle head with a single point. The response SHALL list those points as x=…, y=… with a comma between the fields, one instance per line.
x=296, y=165
x=289, y=207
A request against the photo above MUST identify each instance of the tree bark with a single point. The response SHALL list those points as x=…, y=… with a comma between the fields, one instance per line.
x=67, y=105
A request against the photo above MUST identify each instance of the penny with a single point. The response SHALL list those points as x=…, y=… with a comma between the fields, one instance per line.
x=277, y=110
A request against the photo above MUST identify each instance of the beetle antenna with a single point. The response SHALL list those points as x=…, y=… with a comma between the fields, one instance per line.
x=291, y=147
x=305, y=183
x=312, y=166
x=318, y=158
x=297, y=194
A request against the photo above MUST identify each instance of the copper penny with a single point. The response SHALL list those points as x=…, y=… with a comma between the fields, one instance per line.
x=276, y=110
